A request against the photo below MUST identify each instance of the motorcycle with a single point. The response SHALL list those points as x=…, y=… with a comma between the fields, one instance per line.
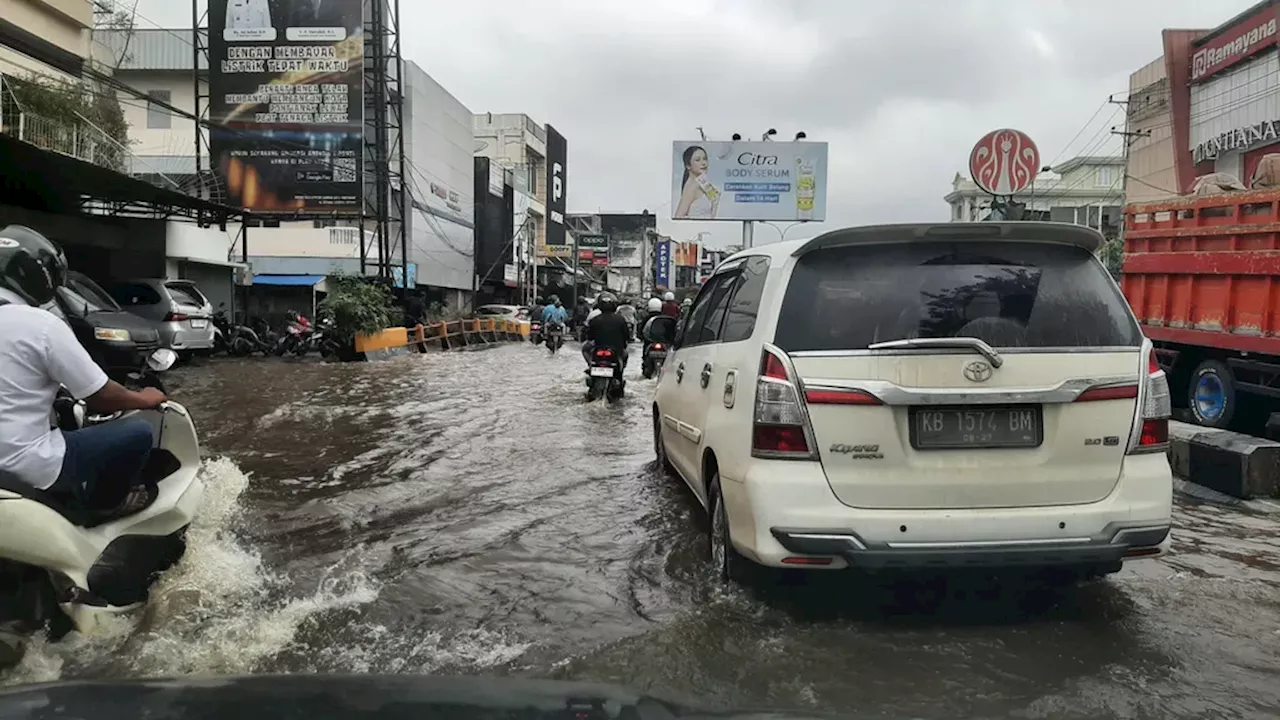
x=604, y=376
x=296, y=336
x=659, y=331
x=555, y=337
x=535, y=332
x=64, y=566
x=234, y=340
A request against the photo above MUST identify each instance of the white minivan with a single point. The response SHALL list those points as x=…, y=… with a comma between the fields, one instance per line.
x=920, y=397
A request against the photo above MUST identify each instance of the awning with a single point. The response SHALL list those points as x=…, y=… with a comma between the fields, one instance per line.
x=288, y=280
x=208, y=261
x=41, y=180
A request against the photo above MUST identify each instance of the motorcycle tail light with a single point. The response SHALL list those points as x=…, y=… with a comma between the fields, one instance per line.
x=657, y=346
x=604, y=353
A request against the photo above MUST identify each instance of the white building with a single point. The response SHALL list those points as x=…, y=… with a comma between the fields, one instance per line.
x=45, y=37
x=516, y=143
x=1085, y=190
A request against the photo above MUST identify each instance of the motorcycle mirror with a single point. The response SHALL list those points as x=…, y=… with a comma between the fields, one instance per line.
x=162, y=359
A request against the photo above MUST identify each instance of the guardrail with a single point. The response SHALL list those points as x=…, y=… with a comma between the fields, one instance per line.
x=451, y=335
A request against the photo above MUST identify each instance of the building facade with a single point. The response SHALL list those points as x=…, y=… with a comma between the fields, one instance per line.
x=50, y=38
x=1085, y=190
x=1211, y=103
x=513, y=141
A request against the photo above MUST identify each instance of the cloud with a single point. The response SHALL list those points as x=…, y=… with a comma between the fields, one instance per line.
x=900, y=90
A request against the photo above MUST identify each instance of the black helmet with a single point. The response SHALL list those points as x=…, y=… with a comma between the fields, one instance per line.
x=539, y=301
x=606, y=302
x=553, y=300
x=30, y=265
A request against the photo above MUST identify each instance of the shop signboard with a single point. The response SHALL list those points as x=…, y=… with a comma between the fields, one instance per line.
x=1235, y=44
x=749, y=181
x=662, y=273
x=287, y=104
x=557, y=186
x=1004, y=162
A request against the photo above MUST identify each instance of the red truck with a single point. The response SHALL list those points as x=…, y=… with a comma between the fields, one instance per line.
x=1202, y=274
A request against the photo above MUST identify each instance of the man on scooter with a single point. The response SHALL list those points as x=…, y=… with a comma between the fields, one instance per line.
x=98, y=465
x=555, y=312
x=607, y=330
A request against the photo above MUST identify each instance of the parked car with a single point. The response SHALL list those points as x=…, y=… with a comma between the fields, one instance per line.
x=118, y=341
x=920, y=397
x=183, y=313
x=502, y=312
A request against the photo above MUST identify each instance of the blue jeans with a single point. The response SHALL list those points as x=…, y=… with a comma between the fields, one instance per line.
x=104, y=461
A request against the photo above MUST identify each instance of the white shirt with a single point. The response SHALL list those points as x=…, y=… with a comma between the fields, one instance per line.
x=39, y=354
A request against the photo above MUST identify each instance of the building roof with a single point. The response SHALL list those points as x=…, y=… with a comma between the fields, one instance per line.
x=155, y=49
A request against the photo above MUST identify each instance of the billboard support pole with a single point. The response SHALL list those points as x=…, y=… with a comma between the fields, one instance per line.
x=748, y=234
x=576, y=264
x=199, y=51
x=384, y=153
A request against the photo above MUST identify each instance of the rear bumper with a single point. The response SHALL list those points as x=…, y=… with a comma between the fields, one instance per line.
x=1109, y=548
x=177, y=337
x=783, y=509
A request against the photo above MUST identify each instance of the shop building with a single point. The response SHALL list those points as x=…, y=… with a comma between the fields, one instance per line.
x=1210, y=103
x=1085, y=190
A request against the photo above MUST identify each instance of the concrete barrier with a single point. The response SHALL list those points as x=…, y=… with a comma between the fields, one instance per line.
x=1239, y=465
x=451, y=335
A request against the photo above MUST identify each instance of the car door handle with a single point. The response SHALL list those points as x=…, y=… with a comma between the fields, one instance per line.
x=706, y=375
x=680, y=373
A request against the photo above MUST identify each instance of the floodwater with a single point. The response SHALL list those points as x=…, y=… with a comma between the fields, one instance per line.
x=469, y=513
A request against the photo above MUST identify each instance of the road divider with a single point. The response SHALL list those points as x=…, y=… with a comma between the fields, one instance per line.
x=1239, y=465
x=451, y=335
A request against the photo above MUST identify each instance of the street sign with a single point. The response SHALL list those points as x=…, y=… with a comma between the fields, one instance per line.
x=1004, y=162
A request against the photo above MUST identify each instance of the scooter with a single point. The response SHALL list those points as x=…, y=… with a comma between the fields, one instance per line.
x=658, y=332
x=67, y=567
x=604, y=376
x=535, y=332
x=555, y=337
x=296, y=334
x=234, y=340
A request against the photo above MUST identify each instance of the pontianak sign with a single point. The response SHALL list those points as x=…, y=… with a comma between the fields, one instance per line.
x=1238, y=139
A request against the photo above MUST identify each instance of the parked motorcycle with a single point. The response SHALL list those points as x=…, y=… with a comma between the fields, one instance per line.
x=604, y=376
x=65, y=566
x=555, y=337
x=296, y=335
x=234, y=340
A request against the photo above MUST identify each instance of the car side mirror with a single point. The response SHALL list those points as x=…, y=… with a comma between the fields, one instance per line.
x=162, y=360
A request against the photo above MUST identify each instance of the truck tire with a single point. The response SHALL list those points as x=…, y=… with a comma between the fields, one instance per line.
x=1211, y=394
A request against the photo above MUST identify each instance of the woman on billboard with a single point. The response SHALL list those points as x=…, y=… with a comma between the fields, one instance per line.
x=699, y=199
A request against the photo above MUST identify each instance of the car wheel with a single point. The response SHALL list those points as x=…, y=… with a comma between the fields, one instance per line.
x=1212, y=394
x=660, y=447
x=729, y=564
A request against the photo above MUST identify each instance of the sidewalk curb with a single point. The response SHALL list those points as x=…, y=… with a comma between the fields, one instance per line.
x=1231, y=463
x=1200, y=493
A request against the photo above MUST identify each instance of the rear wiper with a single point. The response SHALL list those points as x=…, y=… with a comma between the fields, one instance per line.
x=971, y=343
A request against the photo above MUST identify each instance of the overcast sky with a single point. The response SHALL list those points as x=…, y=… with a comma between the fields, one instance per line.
x=901, y=89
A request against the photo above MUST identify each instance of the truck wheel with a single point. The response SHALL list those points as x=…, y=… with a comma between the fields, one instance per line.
x=1211, y=394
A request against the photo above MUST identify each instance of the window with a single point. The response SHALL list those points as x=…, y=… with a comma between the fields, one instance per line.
x=135, y=294
x=740, y=321
x=157, y=117
x=1007, y=294
x=1106, y=176
x=186, y=294
x=688, y=334
x=718, y=306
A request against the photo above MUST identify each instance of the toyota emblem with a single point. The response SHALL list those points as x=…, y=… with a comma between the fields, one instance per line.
x=978, y=371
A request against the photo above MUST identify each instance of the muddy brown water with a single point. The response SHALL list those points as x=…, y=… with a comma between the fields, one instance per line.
x=469, y=513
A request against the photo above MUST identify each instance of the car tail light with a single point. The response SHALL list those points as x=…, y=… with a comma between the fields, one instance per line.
x=1151, y=431
x=1111, y=392
x=176, y=317
x=780, y=426
x=840, y=397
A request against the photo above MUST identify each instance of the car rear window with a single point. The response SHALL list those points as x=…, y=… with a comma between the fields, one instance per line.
x=186, y=294
x=1008, y=294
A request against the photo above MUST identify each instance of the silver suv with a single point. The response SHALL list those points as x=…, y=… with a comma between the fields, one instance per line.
x=182, y=313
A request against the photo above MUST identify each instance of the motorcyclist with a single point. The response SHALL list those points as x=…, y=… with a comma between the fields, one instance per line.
x=97, y=465
x=555, y=312
x=607, y=330
x=685, y=307
x=628, y=312
x=669, y=306
x=536, y=312
x=655, y=306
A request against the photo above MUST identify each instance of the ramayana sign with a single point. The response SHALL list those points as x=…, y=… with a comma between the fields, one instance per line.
x=1236, y=44
x=1240, y=138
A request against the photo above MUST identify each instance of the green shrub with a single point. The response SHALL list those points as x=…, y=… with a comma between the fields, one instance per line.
x=357, y=305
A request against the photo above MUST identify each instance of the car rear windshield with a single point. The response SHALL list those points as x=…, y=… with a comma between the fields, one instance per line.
x=1008, y=294
x=186, y=294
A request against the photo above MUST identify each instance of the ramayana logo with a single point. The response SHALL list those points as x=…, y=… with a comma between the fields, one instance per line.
x=1209, y=58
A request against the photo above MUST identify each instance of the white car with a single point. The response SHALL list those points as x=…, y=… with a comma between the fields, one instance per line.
x=920, y=397
x=502, y=312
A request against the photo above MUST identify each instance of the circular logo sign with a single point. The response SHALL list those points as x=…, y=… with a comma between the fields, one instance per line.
x=978, y=371
x=1004, y=162
x=8, y=243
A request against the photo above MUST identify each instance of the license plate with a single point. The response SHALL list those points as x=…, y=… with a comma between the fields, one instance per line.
x=199, y=324
x=602, y=372
x=964, y=428
x=657, y=354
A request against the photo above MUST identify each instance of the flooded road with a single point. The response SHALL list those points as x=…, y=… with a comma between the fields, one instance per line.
x=469, y=513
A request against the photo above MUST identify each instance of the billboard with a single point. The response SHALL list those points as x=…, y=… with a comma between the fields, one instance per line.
x=557, y=187
x=662, y=273
x=749, y=181
x=287, y=104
